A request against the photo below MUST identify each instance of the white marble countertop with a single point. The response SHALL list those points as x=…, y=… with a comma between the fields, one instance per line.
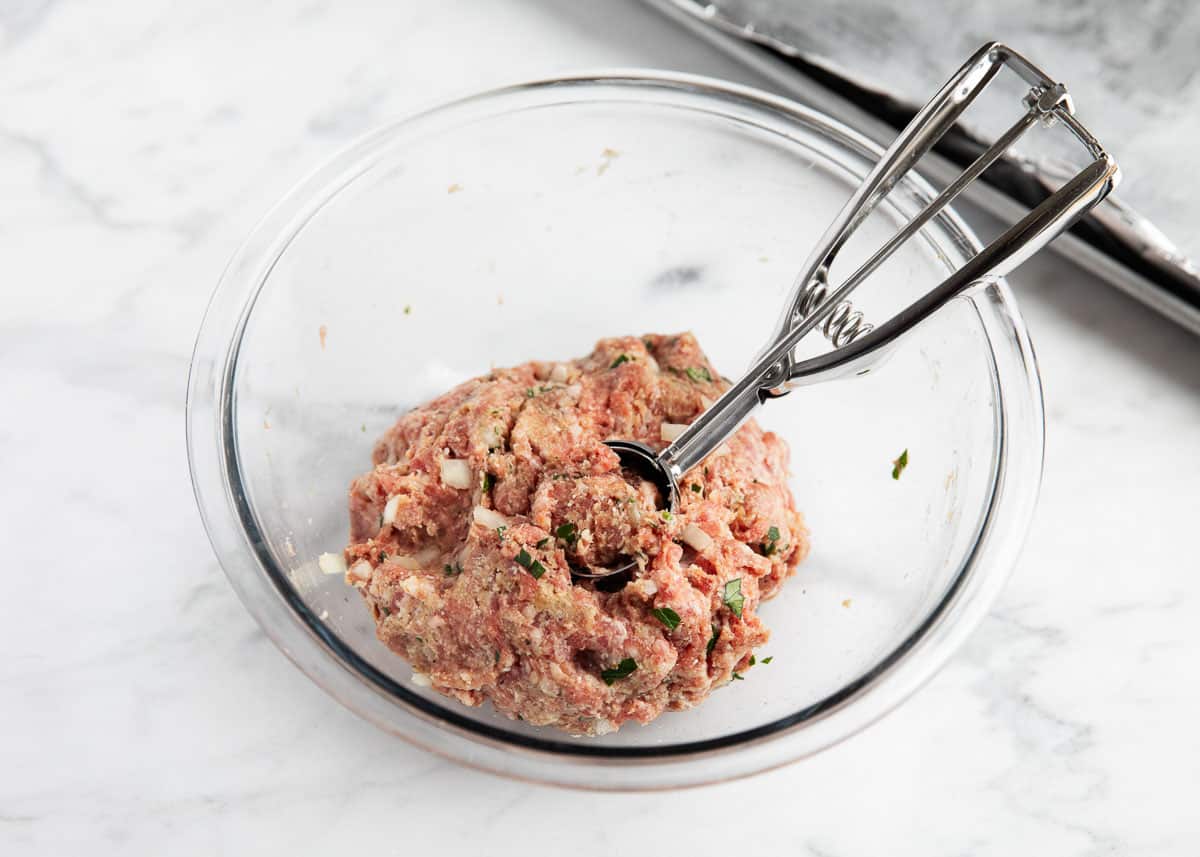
x=142, y=711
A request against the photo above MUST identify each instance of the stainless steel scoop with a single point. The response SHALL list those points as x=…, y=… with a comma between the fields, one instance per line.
x=777, y=370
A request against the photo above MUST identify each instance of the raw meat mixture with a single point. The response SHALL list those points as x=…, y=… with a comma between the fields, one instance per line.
x=480, y=503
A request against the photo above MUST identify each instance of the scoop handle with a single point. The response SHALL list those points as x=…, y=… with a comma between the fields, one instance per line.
x=773, y=374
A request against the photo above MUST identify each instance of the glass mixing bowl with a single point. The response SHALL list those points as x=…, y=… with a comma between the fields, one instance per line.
x=529, y=222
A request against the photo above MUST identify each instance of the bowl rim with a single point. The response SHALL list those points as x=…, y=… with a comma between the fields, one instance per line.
x=317, y=650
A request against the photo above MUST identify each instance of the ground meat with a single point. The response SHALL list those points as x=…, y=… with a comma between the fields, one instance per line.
x=473, y=585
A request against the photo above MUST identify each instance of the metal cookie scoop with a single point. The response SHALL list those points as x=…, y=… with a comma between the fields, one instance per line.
x=777, y=371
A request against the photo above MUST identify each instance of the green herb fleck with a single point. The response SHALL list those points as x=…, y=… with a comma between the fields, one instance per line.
x=733, y=598
x=621, y=670
x=771, y=545
x=738, y=677
x=408, y=309
x=452, y=570
x=543, y=542
x=712, y=641
x=698, y=373
x=767, y=659
x=530, y=392
x=530, y=564
x=621, y=358
x=696, y=488
x=566, y=531
x=899, y=464
x=667, y=616
x=488, y=481
x=382, y=556
x=753, y=660
x=500, y=530
x=364, y=428
x=666, y=514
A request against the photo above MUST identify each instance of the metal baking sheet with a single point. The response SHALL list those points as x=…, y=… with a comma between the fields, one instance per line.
x=1133, y=68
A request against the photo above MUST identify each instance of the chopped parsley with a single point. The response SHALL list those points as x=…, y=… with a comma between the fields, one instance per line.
x=753, y=660
x=621, y=358
x=712, y=641
x=667, y=616
x=767, y=659
x=696, y=488
x=488, y=481
x=530, y=392
x=733, y=598
x=542, y=542
x=772, y=543
x=899, y=464
x=530, y=564
x=738, y=676
x=698, y=373
x=567, y=532
x=382, y=556
x=408, y=309
x=666, y=515
x=500, y=530
x=452, y=570
x=621, y=670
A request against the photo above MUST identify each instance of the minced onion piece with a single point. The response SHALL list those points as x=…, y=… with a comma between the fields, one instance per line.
x=422, y=680
x=695, y=538
x=416, y=561
x=390, y=510
x=456, y=473
x=558, y=374
x=332, y=563
x=361, y=570
x=670, y=431
x=489, y=518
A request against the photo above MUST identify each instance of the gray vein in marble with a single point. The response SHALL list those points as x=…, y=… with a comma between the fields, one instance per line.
x=20, y=19
x=57, y=180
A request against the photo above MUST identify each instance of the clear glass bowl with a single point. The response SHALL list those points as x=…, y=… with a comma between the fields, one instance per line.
x=529, y=222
